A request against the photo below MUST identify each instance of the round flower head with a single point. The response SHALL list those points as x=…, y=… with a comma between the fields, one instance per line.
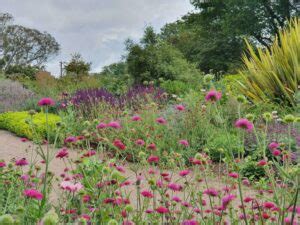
x=226, y=200
x=32, y=193
x=162, y=210
x=2, y=164
x=147, y=194
x=153, y=159
x=62, y=153
x=21, y=162
x=273, y=145
x=46, y=102
x=70, y=139
x=244, y=124
x=184, y=143
x=136, y=118
x=233, y=175
x=213, y=96
x=180, y=107
x=211, y=192
x=114, y=124
x=189, y=222
x=101, y=125
x=140, y=142
x=161, y=120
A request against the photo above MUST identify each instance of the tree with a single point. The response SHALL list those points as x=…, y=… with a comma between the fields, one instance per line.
x=115, y=69
x=78, y=66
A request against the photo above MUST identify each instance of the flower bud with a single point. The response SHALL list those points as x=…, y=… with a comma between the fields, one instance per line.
x=51, y=218
x=267, y=116
x=250, y=117
x=112, y=222
x=289, y=118
x=241, y=99
x=6, y=219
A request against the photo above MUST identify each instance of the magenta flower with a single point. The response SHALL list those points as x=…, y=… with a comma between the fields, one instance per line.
x=211, y=192
x=184, y=143
x=176, y=199
x=21, y=162
x=119, y=144
x=213, y=96
x=175, y=187
x=114, y=124
x=190, y=222
x=161, y=120
x=244, y=124
x=62, y=153
x=262, y=162
x=269, y=205
x=68, y=186
x=147, y=194
x=180, y=107
x=273, y=145
x=184, y=173
x=70, y=139
x=140, y=142
x=136, y=118
x=233, y=175
x=153, y=159
x=2, y=164
x=226, y=200
x=162, y=210
x=46, y=102
x=24, y=139
x=276, y=152
x=151, y=146
x=101, y=125
x=32, y=193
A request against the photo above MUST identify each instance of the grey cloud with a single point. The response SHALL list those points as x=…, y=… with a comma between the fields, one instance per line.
x=95, y=28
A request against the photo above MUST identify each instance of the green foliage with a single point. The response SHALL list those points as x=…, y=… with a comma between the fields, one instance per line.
x=175, y=87
x=77, y=65
x=17, y=71
x=252, y=171
x=273, y=75
x=153, y=59
x=22, y=124
x=230, y=82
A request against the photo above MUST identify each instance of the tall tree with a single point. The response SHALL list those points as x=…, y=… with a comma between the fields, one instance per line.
x=78, y=66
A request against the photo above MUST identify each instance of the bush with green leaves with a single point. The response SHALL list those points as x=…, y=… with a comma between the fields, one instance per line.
x=23, y=124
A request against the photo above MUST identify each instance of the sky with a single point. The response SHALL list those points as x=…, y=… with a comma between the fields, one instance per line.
x=96, y=29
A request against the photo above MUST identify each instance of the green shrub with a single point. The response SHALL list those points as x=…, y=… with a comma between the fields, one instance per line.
x=21, y=124
x=231, y=83
x=252, y=171
x=175, y=87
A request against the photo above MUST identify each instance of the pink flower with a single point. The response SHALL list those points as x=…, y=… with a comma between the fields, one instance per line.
x=162, y=210
x=246, y=182
x=180, y=107
x=175, y=187
x=269, y=205
x=147, y=194
x=183, y=173
x=127, y=222
x=24, y=139
x=46, y=102
x=25, y=177
x=184, y=143
x=2, y=164
x=21, y=162
x=213, y=96
x=67, y=185
x=136, y=118
x=114, y=124
x=248, y=199
x=176, y=199
x=233, y=175
x=190, y=222
x=32, y=193
x=226, y=200
x=273, y=145
x=211, y=192
x=276, y=152
x=62, y=153
x=119, y=144
x=262, y=162
x=70, y=139
x=244, y=124
x=161, y=120
x=151, y=146
x=153, y=159
x=120, y=169
x=101, y=125
x=140, y=142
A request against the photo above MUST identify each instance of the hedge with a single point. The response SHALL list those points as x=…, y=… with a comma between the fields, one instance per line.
x=20, y=124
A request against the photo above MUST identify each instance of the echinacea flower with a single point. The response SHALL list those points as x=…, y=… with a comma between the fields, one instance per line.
x=101, y=125
x=147, y=194
x=184, y=173
x=114, y=124
x=213, y=96
x=119, y=144
x=21, y=162
x=162, y=210
x=2, y=164
x=140, y=142
x=184, y=143
x=62, y=153
x=46, y=102
x=72, y=187
x=32, y=193
x=226, y=200
x=161, y=120
x=233, y=175
x=136, y=118
x=273, y=145
x=276, y=152
x=244, y=124
x=153, y=159
x=189, y=222
x=180, y=107
x=211, y=192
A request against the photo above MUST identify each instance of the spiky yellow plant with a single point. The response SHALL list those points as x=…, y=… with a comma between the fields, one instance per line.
x=273, y=75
